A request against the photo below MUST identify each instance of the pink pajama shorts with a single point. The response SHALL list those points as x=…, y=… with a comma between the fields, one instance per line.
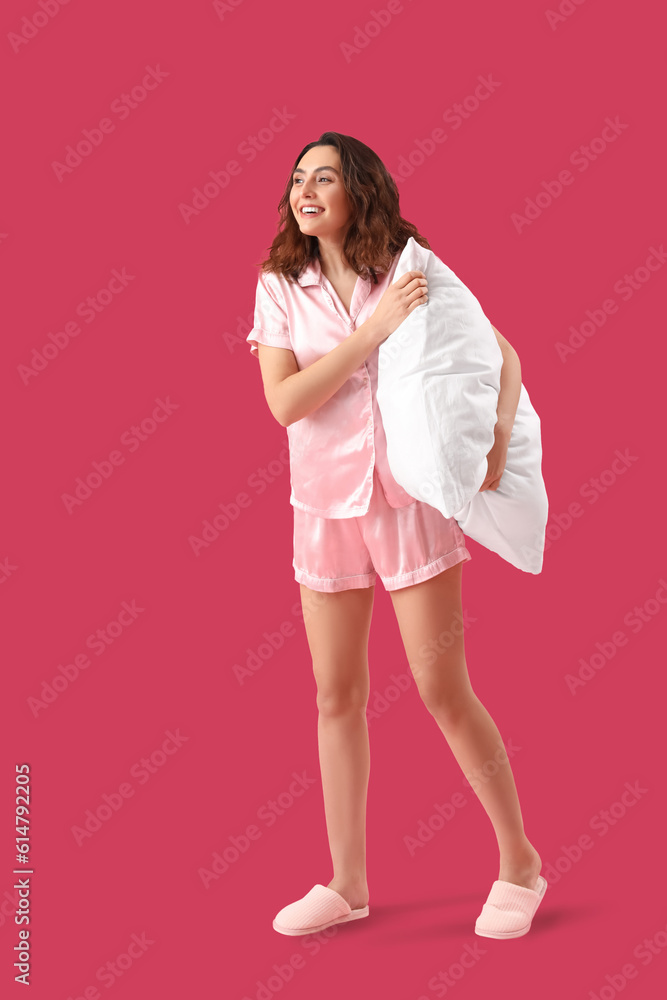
x=404, y=545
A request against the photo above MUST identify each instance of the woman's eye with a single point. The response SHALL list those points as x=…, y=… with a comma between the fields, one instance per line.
x=323, y=178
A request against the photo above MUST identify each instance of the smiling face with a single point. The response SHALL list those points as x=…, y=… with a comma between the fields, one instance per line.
x=317, y=181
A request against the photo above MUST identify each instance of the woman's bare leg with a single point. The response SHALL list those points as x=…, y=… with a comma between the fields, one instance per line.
x=425, y=612
x=337, y=627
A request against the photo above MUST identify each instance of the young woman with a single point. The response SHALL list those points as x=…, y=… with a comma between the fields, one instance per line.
x=325, y=302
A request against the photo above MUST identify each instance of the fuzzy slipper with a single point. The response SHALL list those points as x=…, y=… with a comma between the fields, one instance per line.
x=509, y=909
x=319, y=908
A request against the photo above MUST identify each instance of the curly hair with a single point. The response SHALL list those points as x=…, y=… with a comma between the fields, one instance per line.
x=377, y=230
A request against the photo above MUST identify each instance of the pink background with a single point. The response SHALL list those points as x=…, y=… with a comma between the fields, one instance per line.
x=175, y=332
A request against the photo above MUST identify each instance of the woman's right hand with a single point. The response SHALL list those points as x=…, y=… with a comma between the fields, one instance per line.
x=397, y=302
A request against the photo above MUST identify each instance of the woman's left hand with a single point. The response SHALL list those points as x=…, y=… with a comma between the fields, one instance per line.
x=496, y=460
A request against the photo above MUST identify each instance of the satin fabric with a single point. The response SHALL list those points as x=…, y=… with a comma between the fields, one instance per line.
x=404, y=546
x=334, y=450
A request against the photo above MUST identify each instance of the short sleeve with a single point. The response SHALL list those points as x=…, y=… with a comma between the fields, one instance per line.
x=271, y=326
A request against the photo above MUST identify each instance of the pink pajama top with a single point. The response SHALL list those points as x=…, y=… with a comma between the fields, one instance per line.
x=333, y=450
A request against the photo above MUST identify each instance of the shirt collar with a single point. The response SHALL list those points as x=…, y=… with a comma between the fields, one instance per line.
x=312, y=273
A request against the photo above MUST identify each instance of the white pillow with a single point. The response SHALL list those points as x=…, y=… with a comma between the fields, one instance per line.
x=512, y=519
x=438, y=386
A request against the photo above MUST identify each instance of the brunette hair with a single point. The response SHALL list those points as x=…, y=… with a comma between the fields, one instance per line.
x=377, y=230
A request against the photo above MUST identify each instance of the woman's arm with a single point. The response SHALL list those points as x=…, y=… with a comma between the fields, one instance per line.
x=292, y=394
x=510, y=387
x=508, y=401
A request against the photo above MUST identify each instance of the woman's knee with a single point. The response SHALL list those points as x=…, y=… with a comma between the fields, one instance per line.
x=341, y=697
x=450, y=703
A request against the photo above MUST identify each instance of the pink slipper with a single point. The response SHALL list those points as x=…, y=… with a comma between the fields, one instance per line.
x=509, y=909
x=319, y=908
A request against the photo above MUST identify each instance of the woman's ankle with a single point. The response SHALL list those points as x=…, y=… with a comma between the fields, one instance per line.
x=355, y=892
x=520, y=858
